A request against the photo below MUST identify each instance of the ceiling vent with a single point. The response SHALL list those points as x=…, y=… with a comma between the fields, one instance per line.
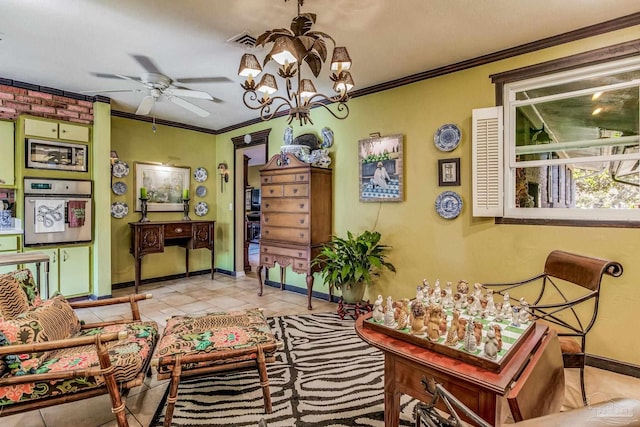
x=243, y=39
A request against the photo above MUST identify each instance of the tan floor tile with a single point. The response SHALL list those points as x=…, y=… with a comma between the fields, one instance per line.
x=31, y=419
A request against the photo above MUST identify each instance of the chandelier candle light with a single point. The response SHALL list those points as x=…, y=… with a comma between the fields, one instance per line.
x=290, y=49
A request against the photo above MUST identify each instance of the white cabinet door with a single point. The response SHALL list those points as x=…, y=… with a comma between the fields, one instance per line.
x=7, y=171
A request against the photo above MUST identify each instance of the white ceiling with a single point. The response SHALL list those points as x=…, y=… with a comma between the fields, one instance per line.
x=60, y=43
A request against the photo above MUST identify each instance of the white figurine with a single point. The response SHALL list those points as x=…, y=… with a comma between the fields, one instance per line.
x=447, y=300
x=426, y=291
x=491, y=304
x=515, y=319
x=378, y=313
x=506, y=307
x=419, y=294
x=477, y=290
x=524, y=311
x=469, y=342
x=491, y=345
x=436, y=292
x=389, y=319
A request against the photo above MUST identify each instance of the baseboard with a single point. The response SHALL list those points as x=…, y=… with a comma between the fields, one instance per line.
x=161, y=279
x=303, y=291
x=613, y=365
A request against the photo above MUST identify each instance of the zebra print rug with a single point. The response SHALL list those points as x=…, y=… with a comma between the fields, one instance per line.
x=325, y=376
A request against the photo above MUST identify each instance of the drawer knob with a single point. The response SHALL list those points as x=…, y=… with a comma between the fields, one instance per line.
x=302, y=221
x=295, y=190
x=301, y=205
x=266, y=219
x=265, y=249
x=178, y=230
x=266, y=205
x=299, y=254
x=266, y=231
x=271, y=191
x=301, y=235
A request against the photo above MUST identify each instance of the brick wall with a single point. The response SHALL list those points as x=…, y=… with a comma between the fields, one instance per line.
x=15, y=101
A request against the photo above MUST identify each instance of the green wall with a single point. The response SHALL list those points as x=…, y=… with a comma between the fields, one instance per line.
x=427, y=246
x=424, y=245
x=134, y=141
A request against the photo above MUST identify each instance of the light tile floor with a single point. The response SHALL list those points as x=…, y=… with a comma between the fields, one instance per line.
x=201, y=294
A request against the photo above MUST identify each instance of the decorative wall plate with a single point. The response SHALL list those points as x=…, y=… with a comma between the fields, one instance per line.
x=201, y=191
x=119, y=188
x=119, y=209
x=447, y=137
x=120, y=169
x=200, y=174
x=448, y=204
x=201, y=208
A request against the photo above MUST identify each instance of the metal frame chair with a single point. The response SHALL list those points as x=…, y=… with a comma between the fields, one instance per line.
x=569, y=315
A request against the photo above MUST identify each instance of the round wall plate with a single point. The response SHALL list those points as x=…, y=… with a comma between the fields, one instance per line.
x=448, y=204
x=200, y=175
x=119, y=209
x=201, y=191
x=447, y=137
x=201, y=208
x=119, y=188
x=120, y=169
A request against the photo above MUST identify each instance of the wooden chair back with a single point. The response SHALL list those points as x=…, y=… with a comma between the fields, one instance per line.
x=540, y=388
x=581, y=270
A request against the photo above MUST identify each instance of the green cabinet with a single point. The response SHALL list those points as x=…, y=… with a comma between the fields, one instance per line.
x=56, y=130
x=8, y=245
x=69, y=270
x=7, y=148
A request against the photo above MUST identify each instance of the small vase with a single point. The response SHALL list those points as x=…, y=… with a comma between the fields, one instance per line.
x=353, y=292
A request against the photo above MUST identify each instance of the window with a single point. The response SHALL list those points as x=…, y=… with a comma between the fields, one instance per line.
x=569, y=144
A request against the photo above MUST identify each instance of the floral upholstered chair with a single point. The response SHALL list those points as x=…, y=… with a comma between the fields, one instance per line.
x=48, y=356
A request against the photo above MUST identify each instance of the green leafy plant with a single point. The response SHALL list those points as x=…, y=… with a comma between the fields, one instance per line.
x=356, y=259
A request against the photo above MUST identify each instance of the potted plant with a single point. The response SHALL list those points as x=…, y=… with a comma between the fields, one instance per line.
x=350, y=264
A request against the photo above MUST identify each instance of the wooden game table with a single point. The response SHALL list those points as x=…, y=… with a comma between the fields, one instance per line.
x=407, y=367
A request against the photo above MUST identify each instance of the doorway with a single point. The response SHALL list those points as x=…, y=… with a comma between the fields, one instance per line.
x=250, y=156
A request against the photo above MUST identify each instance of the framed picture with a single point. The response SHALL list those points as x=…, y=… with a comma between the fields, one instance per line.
x=381, y=169
x=449, y=172
x=163, y=185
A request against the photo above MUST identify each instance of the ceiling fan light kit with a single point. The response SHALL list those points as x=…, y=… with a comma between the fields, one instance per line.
x=290, y=49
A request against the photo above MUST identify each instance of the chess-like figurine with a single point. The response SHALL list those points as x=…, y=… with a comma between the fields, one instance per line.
x=462, y=327
x=524, y=311
x=469, y=342
x=457, y=301
x=447, y=296
x=498, y=316
x=506, y=306
x=419, y=294
x=452, y=334
x=475, y=308
x=477, y=290
x=515, y=318
x=463, y=287
x=491, y=345
x=378, y=313
x=477, y=332
x=433, y=327
x=498, y=333
x=401, y=314
x=483, y=305
x=417, y=318
x=436, y=293
x=491, y=304
x=389, y=314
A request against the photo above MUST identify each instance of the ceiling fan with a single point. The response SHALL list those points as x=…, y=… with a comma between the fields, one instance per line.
x=157, y=84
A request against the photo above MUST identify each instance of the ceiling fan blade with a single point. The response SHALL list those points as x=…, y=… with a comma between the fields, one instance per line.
x=115, y=76
x=204, y=80
x=146, y=105
x=189, y=106
x=147, y=64
x=111, y=91
x=189, y=93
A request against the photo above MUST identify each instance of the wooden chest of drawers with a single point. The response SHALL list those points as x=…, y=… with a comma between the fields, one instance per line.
x=296, y=216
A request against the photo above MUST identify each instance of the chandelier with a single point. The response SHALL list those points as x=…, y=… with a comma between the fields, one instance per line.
x=290, y=49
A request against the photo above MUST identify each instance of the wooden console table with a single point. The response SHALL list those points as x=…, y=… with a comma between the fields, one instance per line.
x=407, y=366
x=151, y=237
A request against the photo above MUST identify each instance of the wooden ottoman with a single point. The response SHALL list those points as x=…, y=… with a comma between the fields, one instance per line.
x=200, y=345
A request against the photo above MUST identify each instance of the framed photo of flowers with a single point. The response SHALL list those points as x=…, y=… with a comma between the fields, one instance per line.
x=381, y=169
x=163, y=186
